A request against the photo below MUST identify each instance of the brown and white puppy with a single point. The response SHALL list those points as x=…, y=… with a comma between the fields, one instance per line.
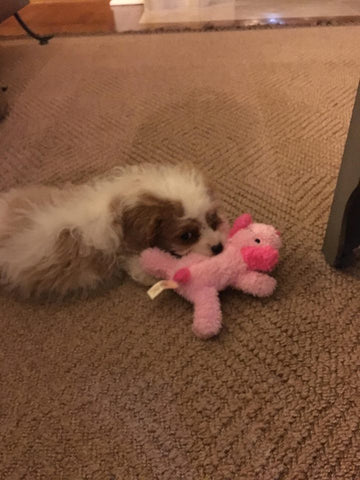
x=58, y=240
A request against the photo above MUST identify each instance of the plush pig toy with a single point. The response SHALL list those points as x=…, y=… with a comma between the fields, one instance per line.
x=251, y=248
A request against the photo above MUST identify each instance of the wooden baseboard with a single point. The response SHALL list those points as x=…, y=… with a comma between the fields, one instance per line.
x=116, y=3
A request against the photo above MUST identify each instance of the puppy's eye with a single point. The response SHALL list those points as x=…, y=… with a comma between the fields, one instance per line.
x=185, y=237
x=190, y=233
x=257, y=240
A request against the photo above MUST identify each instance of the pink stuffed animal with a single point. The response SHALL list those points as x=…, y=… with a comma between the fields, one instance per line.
x=251, y=248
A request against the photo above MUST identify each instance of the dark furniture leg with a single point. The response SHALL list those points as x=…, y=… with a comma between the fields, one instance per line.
x=43, y=40
x=343, y=229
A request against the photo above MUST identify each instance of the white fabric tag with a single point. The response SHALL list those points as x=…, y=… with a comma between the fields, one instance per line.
x=159, y=287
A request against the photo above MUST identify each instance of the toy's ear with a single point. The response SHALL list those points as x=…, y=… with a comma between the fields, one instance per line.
x=241, y=222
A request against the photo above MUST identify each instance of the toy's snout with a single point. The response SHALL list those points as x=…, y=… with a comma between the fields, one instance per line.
x=263, y=259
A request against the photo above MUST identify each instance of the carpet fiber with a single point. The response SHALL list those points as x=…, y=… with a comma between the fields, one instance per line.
x=116, y=387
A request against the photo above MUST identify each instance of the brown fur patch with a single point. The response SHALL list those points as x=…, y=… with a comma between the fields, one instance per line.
x=213, y=219
x=155, y=222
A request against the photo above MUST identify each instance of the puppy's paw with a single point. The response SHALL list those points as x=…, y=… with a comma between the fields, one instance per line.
x=144, y=279
x=138, y=274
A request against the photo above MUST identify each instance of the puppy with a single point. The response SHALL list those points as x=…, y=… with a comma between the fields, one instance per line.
x=59, y=240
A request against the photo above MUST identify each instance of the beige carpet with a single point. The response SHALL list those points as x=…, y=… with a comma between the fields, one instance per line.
x=117, y=387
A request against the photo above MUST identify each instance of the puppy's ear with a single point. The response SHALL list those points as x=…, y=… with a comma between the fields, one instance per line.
x=142, y=224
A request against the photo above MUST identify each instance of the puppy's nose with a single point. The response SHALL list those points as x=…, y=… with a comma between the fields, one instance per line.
x=216, y=249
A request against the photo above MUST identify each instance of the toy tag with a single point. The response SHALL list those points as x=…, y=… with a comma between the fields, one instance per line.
x=159, y=287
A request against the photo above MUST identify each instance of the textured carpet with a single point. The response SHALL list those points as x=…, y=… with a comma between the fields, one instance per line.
x=116, y=387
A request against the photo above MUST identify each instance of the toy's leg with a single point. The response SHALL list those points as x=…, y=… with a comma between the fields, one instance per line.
x=255, y=283
x=158, y=263
x=207, y=314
